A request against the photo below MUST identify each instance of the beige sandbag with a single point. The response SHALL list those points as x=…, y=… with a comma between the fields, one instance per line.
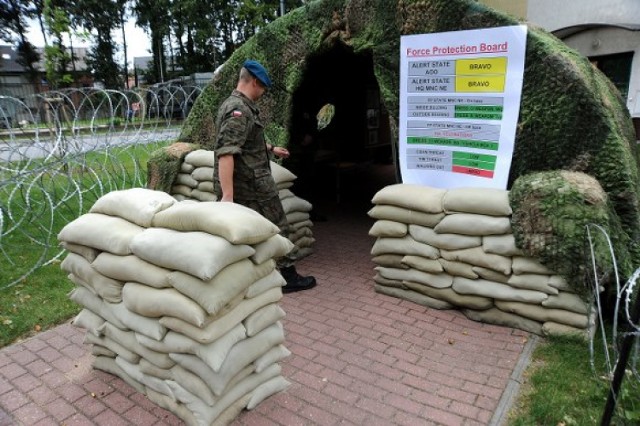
x=136, y=205
x=155, y=303
x=403, y=215
x=273, y=355
x=273, y=247
x=556, y=281
x=412, y=296
x=444, y=241
x=202, y=174
x=413, y=197
x=213, y=295
x=285, y=193
x=203, y=196
x=388, y=228
x=169, y=404
x=98, y=350
x=88, y=253
x=490, y=274
x=102, y=232
x=296, y=204
x=234, y=222
x=542, y=314
x=392, y=261
x=196, y=253
x=379, y=279
x=263, y=318
x=213, y=354
x=485, y=201
x=284, y=185
x=281, y=174
x=477, y=257
x=305, y=242
x=153, y=370
x=190, y=382
x=180, y=197
x=92, y=302
x=294, y=226
x=403, y=246
x=186, y=179
x=201, y=158
x=109, y=365
x=420, y=263
x=434, y=280
x=127, y=339
x=241, y=354
x=216, y=328
x=496, y=290
x=473, y=224
x=498, y=317
x=150, y=382
x=107, y=288
x=450, y=296
x=89, y=321
x=458, y=269
x=266, y=389
x=186, y=167
x=271, y=280
x=229, y=405
x=131, y=268
x=529, y=265
x=302, y=232
x=112, y=345
x=551, y=328
x=296, y=217
x=567, y=301
x=205, y=186
x=504, y=245
x=536, y=282
x=183, y=190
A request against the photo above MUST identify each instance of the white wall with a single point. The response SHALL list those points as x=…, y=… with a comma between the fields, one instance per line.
x=555, y=15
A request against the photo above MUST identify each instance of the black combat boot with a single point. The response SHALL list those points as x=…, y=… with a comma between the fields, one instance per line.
x=295, y=281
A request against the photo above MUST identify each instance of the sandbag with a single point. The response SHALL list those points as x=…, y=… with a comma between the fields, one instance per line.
x=410, y=196
x=136, y=205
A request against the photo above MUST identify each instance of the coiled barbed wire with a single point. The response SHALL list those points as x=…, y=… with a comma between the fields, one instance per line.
x=62, y=150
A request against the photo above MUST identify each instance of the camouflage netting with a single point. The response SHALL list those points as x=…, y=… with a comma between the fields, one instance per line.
x=571, y=117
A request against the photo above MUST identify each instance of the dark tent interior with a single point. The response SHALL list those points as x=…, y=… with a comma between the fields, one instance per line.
x=337, y=162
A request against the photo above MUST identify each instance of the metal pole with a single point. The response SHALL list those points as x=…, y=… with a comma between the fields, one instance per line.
x=621, y=366
x=281, y=7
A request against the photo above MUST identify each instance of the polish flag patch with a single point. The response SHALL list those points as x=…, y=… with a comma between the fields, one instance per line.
x=236, y=113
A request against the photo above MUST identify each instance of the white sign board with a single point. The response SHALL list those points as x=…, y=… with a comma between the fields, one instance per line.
x=459, y=103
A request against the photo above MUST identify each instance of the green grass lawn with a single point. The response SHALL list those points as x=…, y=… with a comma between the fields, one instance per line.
x=561, y=388
x=41, y=206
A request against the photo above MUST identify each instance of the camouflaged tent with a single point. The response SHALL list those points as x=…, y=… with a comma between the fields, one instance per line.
x=571, y=116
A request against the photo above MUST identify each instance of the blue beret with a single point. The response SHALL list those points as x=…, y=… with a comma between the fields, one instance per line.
x=258, y=71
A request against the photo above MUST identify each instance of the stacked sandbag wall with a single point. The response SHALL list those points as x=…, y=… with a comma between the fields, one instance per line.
x=180, y=300
x=455, y=248
x=194, y=181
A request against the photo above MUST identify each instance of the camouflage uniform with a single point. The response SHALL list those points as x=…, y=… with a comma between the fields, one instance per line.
x=241, y=134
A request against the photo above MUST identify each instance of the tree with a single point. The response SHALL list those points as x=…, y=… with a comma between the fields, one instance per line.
x=56, y=57
x=13, y=14
x=100, y=17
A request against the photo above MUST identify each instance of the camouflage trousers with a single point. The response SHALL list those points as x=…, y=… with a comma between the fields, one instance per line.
x=272, y=210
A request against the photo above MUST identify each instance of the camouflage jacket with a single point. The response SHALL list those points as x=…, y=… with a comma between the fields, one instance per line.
x=241, y=134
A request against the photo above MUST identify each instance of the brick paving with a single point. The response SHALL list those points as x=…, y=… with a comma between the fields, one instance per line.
x=358, y=357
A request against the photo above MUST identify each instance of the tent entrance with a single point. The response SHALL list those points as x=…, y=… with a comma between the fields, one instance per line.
x=357, y=137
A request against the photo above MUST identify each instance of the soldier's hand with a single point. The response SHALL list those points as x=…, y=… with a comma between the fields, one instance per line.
x=281, y=152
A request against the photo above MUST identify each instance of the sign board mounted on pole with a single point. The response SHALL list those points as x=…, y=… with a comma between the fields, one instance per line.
x=459, y=103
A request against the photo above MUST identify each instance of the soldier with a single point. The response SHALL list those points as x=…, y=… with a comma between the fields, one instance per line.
x=242, y=162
